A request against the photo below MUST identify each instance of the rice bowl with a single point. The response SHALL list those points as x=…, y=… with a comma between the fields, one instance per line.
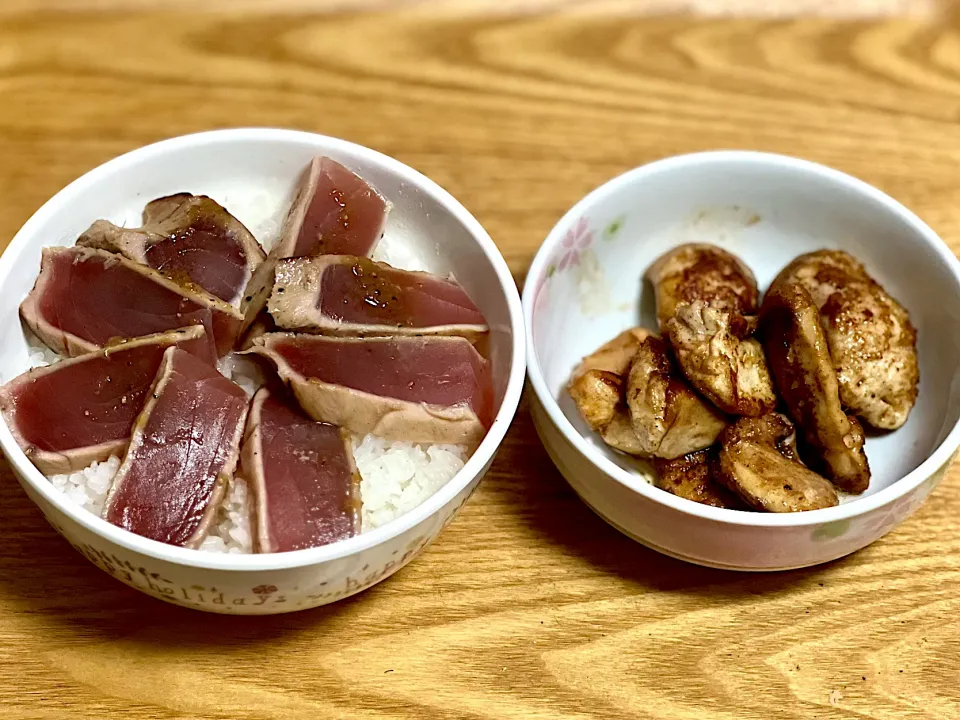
x=427, y=497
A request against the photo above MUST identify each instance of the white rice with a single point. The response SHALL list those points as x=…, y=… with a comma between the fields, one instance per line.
x=395, y=476
x=88, y=487
x=38, y=354
x=394, y=252
x=230, y=532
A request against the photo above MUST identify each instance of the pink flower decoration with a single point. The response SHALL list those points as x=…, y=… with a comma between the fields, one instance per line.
x=540, y=298
x=577, y=239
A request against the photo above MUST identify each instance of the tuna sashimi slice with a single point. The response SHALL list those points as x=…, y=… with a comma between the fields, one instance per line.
x=422, y=389
x=335, y=212
x=347, y=295
x=306, y=488
x=190, y=239
x=82, y=410
x=86, y=298
x=184, y=449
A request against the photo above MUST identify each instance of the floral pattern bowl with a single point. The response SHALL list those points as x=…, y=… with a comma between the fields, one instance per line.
x=586, y=285
x=254, y=172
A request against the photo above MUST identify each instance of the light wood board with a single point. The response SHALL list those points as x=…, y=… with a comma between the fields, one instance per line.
x=527, y=606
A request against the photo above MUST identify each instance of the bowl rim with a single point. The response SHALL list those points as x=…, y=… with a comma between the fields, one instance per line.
x=937, y=459
x=471, y=470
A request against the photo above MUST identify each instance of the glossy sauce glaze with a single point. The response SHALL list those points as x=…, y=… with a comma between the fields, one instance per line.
x=369, y=293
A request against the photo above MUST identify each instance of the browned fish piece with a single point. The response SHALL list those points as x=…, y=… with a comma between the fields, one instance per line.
x=798, y=355
x=758, y=461
x=872, y=342
x=616, y=355
x=691, y=477
x=669, y=418
x=706, y=302
x=720, y=360
x=702, y=272
x=598, y=394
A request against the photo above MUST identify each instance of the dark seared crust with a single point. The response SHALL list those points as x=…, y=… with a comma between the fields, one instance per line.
x=669, y=418
x=691, y=477
x=702, y=272
x=805, y=376
x=871, y=339
x=772, y=429
x=758, y=462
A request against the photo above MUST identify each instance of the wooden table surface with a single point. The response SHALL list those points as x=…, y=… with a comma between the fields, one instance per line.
x=527, y=606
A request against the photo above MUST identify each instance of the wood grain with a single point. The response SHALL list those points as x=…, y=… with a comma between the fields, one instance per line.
x=527, y=606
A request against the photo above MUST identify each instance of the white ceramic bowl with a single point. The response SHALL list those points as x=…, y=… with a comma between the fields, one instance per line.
x=253, y=173
x=585, y=286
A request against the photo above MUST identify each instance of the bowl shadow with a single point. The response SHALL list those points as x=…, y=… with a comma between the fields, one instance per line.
x=41, y=575
x=554, y=514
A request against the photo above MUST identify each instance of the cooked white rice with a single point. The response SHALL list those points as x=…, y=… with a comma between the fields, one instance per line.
x=88, y=487
x=398, y=254
x=230, y=532
x=38, y=354
x=395, y=477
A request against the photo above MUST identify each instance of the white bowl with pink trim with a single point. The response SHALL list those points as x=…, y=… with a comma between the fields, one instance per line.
x=254, y=172
x=585, y=285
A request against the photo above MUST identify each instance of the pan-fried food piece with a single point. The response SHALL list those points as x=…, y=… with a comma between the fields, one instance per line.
x=702, y=272
x=798, y=355
x=597, y=394
x=758, y=461
x=669, y=418
x=616, y=355
x=691, y=477
x=706, y=301
x=620, y=435
x=597, y=389
x=872, y=342
x=719, y=360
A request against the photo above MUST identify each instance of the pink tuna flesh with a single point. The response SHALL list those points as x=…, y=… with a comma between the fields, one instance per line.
x=374, y=294
x=305, y=484
x=209, y=258
x=443, y=371
x=99, y=297
x=75, y=406
x=182, y=454
x=190, y=239
x=345, y=214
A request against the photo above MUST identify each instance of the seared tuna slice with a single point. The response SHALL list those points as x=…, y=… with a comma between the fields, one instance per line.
x=420, y=389
x=347, y=295
x=305, y=485
x=190, y=239
x=182, y=455
x=81, y=410
x=85, y=299
x=335, y=212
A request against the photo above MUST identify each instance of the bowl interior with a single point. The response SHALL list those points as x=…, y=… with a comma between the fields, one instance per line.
x=767, y=210
x=253, y=173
